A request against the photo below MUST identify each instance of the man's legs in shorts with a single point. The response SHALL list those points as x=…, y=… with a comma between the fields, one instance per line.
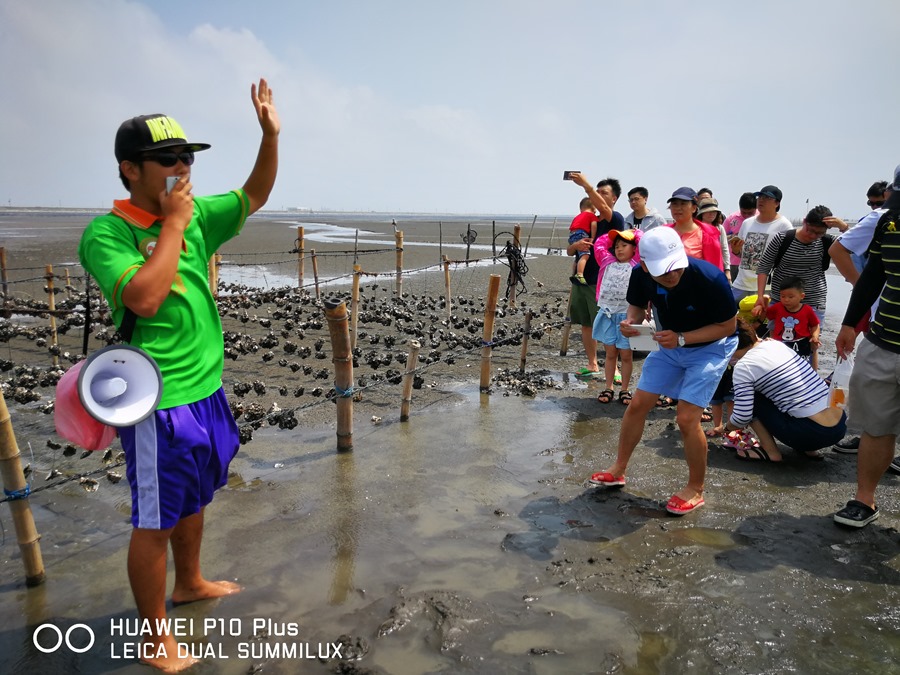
x=590, y=346
x=874, y=457
x=632, y=429
x=687, y=416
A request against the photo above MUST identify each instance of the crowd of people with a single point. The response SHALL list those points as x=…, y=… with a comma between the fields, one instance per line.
x=735, y=305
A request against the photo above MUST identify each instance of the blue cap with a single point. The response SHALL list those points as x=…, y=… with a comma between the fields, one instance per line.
x=685, y=194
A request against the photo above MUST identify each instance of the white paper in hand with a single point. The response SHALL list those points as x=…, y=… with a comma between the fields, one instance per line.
x=644, y=342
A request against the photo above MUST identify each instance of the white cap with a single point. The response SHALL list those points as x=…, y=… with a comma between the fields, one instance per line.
x=662, y=251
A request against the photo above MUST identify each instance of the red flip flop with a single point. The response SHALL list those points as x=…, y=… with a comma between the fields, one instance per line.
x=679, y=507
x=606, y=479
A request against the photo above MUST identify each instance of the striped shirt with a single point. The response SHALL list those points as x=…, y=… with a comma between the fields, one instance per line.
x=775, y=371
x=800, y=260
x=881, y=274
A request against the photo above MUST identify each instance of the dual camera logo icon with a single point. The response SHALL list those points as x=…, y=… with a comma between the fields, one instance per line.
x=63, y=637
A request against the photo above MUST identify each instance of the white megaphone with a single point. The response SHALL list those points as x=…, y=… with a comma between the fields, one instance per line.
x=119, y=385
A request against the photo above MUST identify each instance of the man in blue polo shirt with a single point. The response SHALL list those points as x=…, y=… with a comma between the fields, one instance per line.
x=697, y=312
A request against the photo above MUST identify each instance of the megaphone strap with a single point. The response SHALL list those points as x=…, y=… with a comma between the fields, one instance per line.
x=126, y=330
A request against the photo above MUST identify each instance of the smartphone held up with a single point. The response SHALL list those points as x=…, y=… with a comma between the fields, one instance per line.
x=170, y=183
x=567, y=175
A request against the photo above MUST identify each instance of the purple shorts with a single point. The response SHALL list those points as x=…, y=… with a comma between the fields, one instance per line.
x=177, y=458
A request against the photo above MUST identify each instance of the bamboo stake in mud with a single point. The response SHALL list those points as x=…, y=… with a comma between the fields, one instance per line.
x=468, y=242
x=356, y=248
x=525, y=336
x=398, y=236
x=567, y=328
x=514, y=273
x=528, y=241
x=552, y=234
x=300, y=257
x=447, y=286
x=87, y=314
x=336, y=314
x=68, y=284
x=4, y=279
x=411, y=362
x=354, y=305
x=487, y=336
x=214, y=263
x=17, y=491
x=51, y=302
x=315, y=264
x=440, y=240
x=494, y=239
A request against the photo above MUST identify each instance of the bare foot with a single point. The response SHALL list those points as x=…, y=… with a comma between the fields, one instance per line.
x=163, y=655
x=204, y=591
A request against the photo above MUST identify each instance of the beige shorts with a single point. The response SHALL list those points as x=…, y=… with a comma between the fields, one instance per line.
x=875, y=391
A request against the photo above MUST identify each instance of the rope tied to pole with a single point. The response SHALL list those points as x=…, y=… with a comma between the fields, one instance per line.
x=13, y=495
x=344, y=393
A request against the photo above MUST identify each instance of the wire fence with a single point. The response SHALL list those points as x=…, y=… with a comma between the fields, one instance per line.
x=275, y=332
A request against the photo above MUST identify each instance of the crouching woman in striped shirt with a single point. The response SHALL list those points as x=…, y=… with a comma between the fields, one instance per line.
x=780, y=396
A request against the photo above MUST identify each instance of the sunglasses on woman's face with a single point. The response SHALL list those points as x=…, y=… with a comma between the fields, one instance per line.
x=169, y=159
x=875, y=203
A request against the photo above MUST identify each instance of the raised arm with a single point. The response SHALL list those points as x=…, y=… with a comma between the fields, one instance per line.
x=262, y=178
x=604, y=210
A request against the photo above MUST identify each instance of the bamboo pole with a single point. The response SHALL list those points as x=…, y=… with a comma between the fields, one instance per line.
x=468, y=242
x=398, y=236
x=214, y=261
x=300, y=246
x=567, y=327
x=552, y=234
x=447, y=286
x=528, y=241
x=487, y=336
x=87, y=314
x=354, y=305
x=315, y=264
x=494, y=239
x=336, y=314
x=4, y=278
x=51, y=302
x=356, y=248
x=527, y=333
x=17, y=489
x=441, y=240
x=411, y=361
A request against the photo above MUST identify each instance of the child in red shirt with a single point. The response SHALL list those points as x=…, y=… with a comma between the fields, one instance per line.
x=793, y=323
x=583, y=226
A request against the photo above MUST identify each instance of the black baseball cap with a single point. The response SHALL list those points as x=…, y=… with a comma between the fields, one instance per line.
x=151, y=132
x=769, y=191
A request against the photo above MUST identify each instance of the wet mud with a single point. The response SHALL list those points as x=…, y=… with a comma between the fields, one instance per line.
x=467, y=540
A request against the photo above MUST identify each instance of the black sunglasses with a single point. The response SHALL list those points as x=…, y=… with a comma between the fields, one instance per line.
x=875, y=204
x=169, y=159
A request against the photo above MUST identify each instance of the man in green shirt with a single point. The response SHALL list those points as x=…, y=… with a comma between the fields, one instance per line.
x=149, y=255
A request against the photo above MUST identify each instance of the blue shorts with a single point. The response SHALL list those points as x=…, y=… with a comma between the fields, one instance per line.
x=799, y=433
x=177, y=458
x=578, y=235
x=607, y=332
x=687, y=373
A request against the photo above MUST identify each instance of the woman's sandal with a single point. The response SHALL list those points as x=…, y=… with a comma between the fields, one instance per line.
x=624, y=397
x=606, y=396
x=755, y=454
x=706, y=415
x=664, y=402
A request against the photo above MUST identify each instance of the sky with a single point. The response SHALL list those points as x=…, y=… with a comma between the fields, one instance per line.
x=460, y=107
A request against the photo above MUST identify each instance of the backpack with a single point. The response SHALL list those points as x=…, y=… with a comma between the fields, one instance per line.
x=790, y=235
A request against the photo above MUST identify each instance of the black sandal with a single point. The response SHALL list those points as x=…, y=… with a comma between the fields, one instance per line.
x=625, y=397
x=606, y=396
